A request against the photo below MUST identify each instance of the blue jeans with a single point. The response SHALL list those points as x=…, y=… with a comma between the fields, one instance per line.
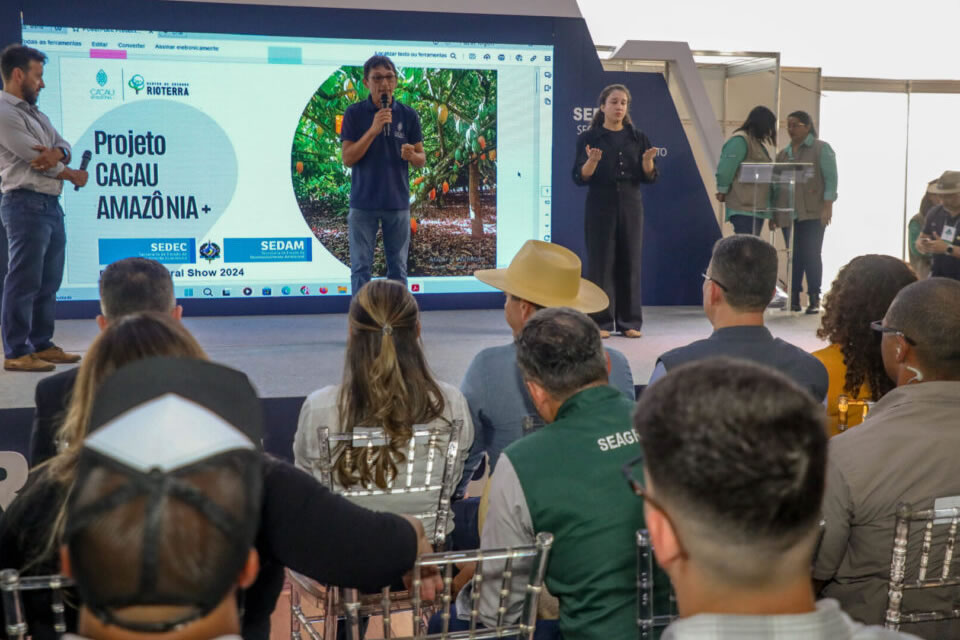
x=363, y=224
x=751, y=225
x=36, y=240
x=4, y=258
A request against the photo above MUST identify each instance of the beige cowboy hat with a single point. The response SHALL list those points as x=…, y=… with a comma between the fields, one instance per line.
x=949, y=182
x=547, y=275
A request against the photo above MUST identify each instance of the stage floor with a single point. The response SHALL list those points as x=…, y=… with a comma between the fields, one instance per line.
x=293, y=355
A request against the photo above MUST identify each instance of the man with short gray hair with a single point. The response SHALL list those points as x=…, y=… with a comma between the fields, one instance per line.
x=541, y=481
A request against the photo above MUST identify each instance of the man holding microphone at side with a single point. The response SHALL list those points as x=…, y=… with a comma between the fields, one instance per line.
x=381, y=139
x=33, y=159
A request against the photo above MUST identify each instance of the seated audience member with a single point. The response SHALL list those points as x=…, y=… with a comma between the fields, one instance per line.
x=905, y=452
x=939, y=237
x=387, y=384
x=302, y=524
x=862, y=292
x=731, y=479
x=131, y=285
x=565, y=479
x=540, y=275
x=737, y=287
x=163, y=513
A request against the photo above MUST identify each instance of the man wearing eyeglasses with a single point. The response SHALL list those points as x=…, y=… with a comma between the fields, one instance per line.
x=381, y=139
x=737, y=287
x=732, y=477
x=903, y=453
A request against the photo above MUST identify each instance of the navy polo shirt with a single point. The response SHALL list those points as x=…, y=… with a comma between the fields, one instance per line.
x=381, y=179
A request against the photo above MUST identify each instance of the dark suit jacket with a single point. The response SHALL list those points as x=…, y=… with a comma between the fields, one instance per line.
x=51, y=399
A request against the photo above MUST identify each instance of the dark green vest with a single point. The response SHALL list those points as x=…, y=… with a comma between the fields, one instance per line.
x=571, y=478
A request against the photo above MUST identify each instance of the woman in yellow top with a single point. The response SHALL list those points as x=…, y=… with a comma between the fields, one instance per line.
x=863, y=290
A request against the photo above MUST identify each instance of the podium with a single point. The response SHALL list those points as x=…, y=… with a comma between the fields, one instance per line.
x=783, y=178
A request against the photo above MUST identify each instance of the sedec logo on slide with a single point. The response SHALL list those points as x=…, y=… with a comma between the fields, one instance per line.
x=267, y=249
x=163, y=250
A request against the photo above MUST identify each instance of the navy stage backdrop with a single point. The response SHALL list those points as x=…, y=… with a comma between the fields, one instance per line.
x=680, y=227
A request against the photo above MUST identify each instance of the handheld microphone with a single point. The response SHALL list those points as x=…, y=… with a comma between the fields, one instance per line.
x=83, y=165
x=384, y=105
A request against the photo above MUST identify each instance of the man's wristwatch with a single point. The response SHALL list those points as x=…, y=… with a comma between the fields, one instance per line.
x=950, y=249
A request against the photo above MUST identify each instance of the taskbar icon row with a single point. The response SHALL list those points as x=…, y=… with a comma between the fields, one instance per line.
x=263, y=291
x=274, y=291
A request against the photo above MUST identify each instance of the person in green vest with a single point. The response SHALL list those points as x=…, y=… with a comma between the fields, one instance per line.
x=746, y=202
x=813, y=204
x=921, y=262
x=566, y=479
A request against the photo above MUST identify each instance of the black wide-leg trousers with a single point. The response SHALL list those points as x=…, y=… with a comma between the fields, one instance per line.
x=613, y=231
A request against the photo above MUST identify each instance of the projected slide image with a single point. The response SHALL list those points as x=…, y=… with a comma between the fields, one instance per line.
x=453, y=199
x=219, y=155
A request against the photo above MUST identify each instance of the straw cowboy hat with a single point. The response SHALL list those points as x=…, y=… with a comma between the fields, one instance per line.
x=547, y=275
x=949, y=182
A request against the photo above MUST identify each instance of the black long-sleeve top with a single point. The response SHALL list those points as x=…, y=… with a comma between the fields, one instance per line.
x=622, y=159
x=303, y=525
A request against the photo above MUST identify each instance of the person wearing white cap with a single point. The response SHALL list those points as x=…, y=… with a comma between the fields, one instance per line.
x=939, y=237
x=540, y=275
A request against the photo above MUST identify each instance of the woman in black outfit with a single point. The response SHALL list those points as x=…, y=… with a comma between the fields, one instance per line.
x=613, y=158
x=303, y=525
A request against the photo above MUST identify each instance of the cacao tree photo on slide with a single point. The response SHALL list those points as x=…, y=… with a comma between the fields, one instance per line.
x=453, y=213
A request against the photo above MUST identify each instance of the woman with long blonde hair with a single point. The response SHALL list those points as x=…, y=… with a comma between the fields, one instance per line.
x=386, y=384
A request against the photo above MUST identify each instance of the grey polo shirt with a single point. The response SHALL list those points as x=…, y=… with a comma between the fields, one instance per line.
x=905, y=451
x=22, y=126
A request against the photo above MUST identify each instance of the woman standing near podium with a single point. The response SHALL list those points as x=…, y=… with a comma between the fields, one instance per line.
x=744, y=200
x=813, y=203
x=613, y=159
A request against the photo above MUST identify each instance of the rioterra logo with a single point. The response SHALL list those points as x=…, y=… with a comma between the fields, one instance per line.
x=137, y=83
x=209, y=251
x=101, y=77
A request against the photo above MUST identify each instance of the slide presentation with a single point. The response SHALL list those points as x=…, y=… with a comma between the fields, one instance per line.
x=219, y=156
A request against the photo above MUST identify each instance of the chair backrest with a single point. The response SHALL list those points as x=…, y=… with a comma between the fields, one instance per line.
x=844, y=403
x=407, y=481
x=513, y=560
x=948, y=518
x=11, y=586
x=648, y=617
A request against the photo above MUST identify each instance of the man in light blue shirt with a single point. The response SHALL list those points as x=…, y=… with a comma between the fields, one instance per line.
x=541, y=275
x=33, y=159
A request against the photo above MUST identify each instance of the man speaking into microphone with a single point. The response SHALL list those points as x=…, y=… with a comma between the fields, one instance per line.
x=381, y=138
x=33, y=159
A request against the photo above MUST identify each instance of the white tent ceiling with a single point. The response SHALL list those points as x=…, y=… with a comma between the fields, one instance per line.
x=916, y=40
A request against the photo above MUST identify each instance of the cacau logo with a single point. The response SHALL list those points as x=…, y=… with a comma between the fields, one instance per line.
x=137, y=83
x=209, y=251
x=102, y=93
